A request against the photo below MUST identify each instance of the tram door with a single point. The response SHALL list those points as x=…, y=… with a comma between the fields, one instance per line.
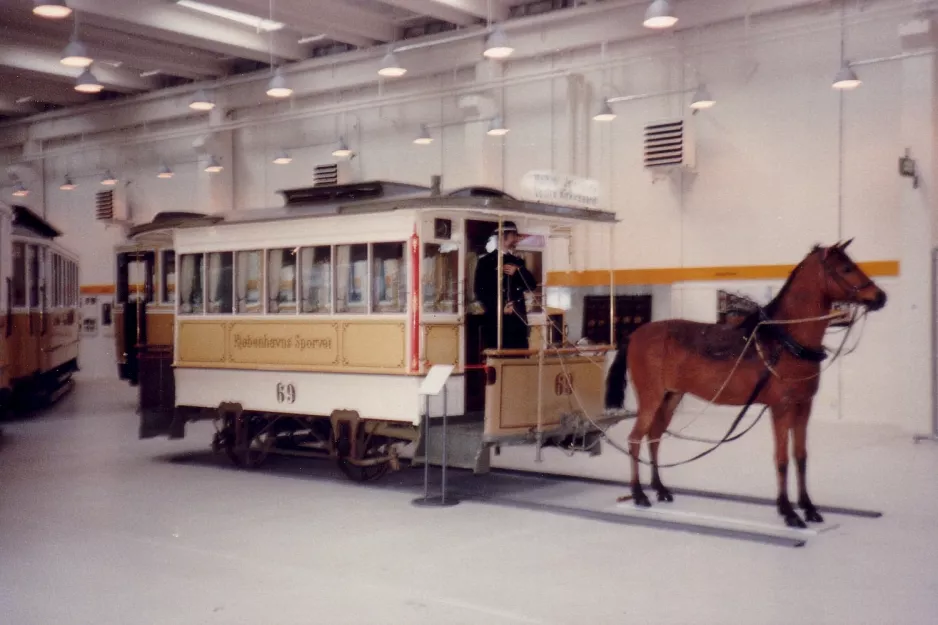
x=135, y=277
x=477, y=234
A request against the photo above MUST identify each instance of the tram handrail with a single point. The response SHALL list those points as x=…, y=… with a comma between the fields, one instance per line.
x=550, y=351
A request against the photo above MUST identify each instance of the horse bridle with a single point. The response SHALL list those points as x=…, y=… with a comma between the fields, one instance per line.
x=841, y=282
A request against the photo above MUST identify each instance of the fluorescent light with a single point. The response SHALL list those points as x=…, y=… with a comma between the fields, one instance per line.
x=52, y=9
x=310, y=39
x=235, y=16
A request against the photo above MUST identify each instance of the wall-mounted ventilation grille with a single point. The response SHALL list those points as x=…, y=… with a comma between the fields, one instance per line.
x=104, y=205
x=332, y=174
x=666, y=144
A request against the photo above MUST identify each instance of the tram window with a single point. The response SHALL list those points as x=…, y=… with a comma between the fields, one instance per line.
x=316, y=278
x=168, y=281
x=190, y=287
x=32, y=260
x=19, y=274
x=351, y=268
x=56, y=281
x=220, y=282
x=281, y=281
x=440, y=277
x=250, y=279
x=389, y=294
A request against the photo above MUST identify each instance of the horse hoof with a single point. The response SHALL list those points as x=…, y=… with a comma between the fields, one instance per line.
x=793, y=520
x=641, y=500
x=665, y=495
x=813, y=516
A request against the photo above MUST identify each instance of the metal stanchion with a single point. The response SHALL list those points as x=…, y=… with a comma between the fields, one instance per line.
x=440, y=500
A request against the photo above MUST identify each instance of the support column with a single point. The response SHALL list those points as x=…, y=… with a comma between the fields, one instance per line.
x=487, y=162
x=918, y=225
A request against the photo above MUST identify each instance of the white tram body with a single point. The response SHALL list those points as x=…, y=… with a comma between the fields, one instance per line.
x=336, y=306
x=39, y=341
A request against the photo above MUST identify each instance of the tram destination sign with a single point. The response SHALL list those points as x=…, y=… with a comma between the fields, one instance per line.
x=555, y=188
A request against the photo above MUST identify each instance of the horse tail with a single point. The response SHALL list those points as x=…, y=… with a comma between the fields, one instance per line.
x=616, y=379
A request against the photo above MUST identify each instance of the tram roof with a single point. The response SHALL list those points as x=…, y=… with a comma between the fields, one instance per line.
x=173, y=219
x=26, y=221
x=383, y=197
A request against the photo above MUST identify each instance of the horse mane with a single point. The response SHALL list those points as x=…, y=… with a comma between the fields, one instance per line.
x=751, y=320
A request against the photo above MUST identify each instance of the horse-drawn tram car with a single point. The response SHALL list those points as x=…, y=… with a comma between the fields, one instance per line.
x=39, y=305
x=145, y=294
x=308, y=329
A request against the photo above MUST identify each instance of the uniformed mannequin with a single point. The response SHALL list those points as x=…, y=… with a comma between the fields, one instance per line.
x=516, y=281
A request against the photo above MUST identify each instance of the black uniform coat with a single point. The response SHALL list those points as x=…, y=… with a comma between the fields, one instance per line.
x=514, y=325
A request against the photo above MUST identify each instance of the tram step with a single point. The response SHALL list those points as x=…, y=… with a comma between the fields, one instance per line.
x=464, y=446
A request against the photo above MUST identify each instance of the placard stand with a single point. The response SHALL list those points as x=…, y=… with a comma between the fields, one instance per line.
x=434, y=384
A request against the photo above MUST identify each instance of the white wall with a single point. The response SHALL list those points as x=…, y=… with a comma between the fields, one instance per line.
x=783, y=162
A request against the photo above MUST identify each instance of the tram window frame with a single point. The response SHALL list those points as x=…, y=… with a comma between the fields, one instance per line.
x=274, y=287
x=389, y=304
x=345, y=276
x=447, y=253
x=308, y=287
x=57, y=272
x=19, y=274
x=214, y=283
x=195, y=304
x=32, y=276
x=167, y=259
x=242, y=305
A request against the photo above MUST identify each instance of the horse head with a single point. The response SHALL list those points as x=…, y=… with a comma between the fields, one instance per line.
x=845, y=281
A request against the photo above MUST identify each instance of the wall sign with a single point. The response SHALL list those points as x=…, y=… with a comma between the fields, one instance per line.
x=554, y=188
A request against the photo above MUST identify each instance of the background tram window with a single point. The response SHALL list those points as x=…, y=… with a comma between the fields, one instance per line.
x=19, y=274
x=32, y=260
x=220, y=282
x=190, y=287
x=250, y=281
x=316, y=279
x=389, y=278
x=440, y=278
x=168, y=281
x=351, y=270
x=281, y=281
x=57, y=275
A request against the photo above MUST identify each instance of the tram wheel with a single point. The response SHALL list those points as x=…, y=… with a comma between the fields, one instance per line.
x=367, y=473
x=250, y=442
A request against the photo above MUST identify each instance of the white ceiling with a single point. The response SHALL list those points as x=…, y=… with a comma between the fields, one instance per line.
x=143, y=45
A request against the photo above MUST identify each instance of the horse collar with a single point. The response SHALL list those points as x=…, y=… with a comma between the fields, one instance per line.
x=787, y=341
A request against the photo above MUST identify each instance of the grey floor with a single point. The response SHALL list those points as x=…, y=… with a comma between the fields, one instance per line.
x=101, y=528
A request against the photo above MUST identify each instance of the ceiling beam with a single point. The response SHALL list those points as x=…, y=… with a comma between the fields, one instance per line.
x=44, y=61
x=137, y=52
x=177, y=25
x=39, y=87
x=9, y=106
x=435, y=9
x=476, y=8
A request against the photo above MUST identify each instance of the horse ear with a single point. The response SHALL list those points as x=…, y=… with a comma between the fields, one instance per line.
x=844, y=245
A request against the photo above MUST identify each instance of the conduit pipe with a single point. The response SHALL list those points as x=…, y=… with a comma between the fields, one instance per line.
x=450, y=92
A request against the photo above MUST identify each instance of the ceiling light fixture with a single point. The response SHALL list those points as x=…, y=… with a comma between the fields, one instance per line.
x=497, y=127
x=659, y=15
x=75, y=54
x=496, y=45
x=391, y=67
x=235, y=16
x=343, y=149
x=19, y=190
x=605, y=114
x=165, y=172
x=277, y=87
x=424, y=137
x=67, y=184
x=51, y=9
x=87, y=83
x=108, y=180
x=202, y=101
x=283, y=158
x=214, y=165
x=846, y=78
x=702, y=99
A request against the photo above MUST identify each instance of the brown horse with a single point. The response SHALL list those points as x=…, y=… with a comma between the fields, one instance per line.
x=780, y=365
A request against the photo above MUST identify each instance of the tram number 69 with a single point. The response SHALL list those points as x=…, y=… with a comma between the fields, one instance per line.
x=286, y=393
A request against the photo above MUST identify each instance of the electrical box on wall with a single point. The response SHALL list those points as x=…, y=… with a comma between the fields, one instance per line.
x=333, y=174
x=669, y=145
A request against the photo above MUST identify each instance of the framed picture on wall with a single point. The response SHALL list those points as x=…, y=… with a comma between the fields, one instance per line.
x=732, y=308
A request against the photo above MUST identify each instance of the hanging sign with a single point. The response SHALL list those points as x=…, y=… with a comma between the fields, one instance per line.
x=554, y=188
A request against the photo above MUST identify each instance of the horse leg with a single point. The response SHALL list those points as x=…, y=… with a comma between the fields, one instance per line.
x=782, y=420
x=646, y=416
x=662, y=421
x=811, y=513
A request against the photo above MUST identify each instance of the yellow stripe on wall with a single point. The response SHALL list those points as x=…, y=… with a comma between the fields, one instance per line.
x=96, y=289
x=670, y=275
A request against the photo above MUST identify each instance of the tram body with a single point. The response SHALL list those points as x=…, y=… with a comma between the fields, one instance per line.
x=145, y=292
x=312, y=327
x=39, y=326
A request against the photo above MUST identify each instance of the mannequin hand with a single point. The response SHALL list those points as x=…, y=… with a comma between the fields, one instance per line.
x=510, y=308
x=510, y=269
